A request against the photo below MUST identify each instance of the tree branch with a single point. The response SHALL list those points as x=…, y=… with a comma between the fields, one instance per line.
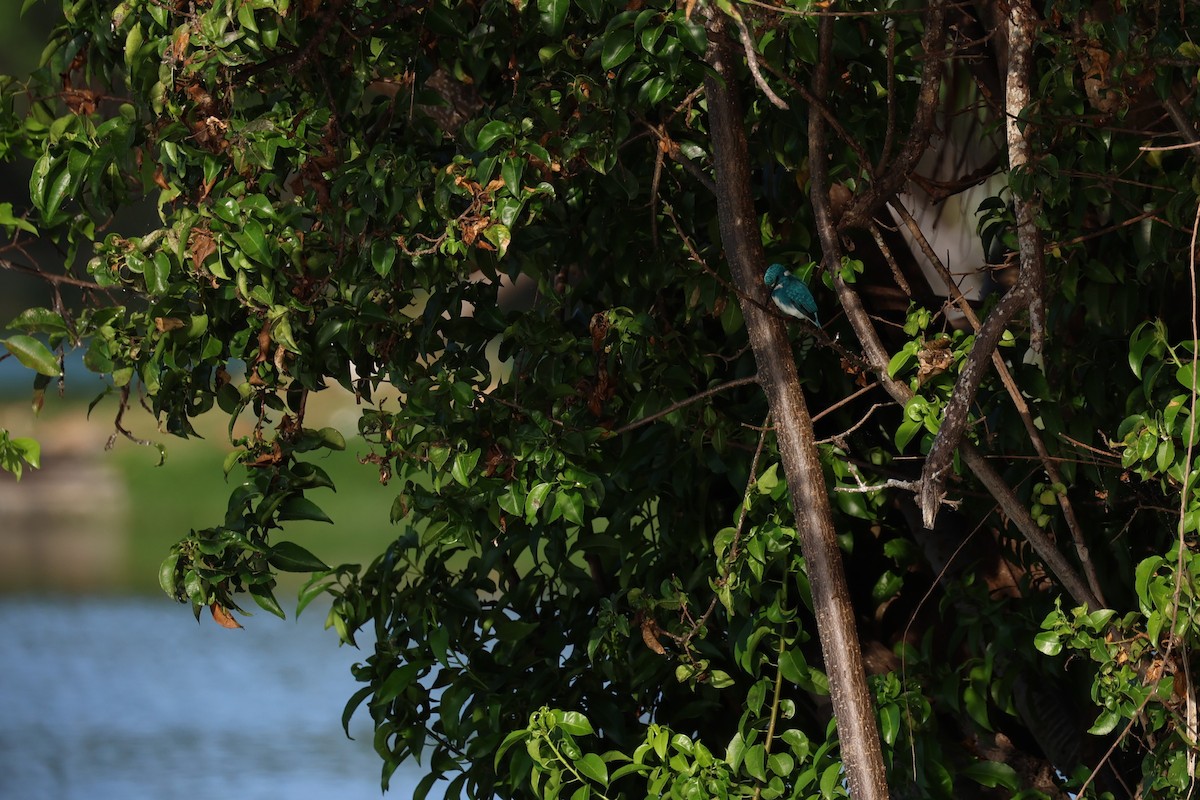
x=891, y=177
x=1017, y=96
x=58, y=280
x=1014, y=394
x=857, y=731
x=954, y=416
x=877, y=357
x=684, y=403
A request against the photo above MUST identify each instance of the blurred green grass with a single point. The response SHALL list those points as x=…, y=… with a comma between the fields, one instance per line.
x=190, y=491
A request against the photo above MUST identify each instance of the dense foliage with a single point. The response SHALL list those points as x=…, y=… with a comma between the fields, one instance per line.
x=513, y=214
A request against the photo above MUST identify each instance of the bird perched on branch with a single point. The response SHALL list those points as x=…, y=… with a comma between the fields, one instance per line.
x=791, y=294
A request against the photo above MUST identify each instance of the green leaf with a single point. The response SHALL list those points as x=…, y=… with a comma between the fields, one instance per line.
x=512, y=500
x=332, y=439
x=464, y=464
x=692, y=35
x=535, y=499
x=552, y=14
x=33, y=354
x=383, y=256
x=756, y=761
x=992, y=774
x=301, y=508
x=976, y=704
x=1142, y=342
x=769, y=479
x=133, y=43
x=592, y=766
x=166, y=573
x=512, y=738
x=1105, y=723
x=312, y=589
x=793, y=667
x=907, y=430
x=655, y=90
x=571, y=505
x=618, y=47
x=576, y=724
x=29, y=450
x=7, y=219
x=1048, y=642
x=352, y=705
x=782, y=764
x=1185, y=377
x=500, y=236
x=491, y=133
x=39, y=320
x=830, y=778
x=158, y=274
x=266, y=599
x=512, y=171
x=886, y=586
x=252, y=242
x=56, y=189
x=889, y=723
x=291, y=557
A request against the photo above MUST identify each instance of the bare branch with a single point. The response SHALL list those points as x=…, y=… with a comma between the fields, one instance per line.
x=752, y=61
x=58, y=280
x=1014, y=393
x=1017, y=97
x=954, y=415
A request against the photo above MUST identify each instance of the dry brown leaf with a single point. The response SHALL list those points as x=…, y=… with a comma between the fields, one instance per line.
x=164, y=324
x=202, y=246
x=650, y=636
x=222, y=617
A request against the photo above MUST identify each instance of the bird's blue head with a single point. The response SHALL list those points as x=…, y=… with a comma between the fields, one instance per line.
x=774, y=275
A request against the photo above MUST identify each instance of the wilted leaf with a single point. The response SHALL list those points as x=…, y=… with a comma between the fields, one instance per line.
x=222, y=617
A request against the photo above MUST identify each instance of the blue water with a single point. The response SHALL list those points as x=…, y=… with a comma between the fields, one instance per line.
x=130, y=698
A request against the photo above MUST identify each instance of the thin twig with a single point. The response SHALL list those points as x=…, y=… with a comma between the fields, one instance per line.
x=774, y=705
x=827, y=411
x=897, y=275
x=65, y=280
x=893, y=177
x=733, y=384
x=752, y=61
x=855, y=426
x=890, y=483
x=889, y=133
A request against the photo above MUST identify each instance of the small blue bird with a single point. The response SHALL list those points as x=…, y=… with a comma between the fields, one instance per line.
x=790, y=294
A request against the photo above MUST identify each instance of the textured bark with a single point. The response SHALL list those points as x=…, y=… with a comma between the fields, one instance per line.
x=1022, y=23
x=857, y=732
x=954, y=417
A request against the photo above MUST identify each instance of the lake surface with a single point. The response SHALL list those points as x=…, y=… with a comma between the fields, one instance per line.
x=104, y=697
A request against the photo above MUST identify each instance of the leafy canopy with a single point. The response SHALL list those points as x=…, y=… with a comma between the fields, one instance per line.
x=509, y=214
